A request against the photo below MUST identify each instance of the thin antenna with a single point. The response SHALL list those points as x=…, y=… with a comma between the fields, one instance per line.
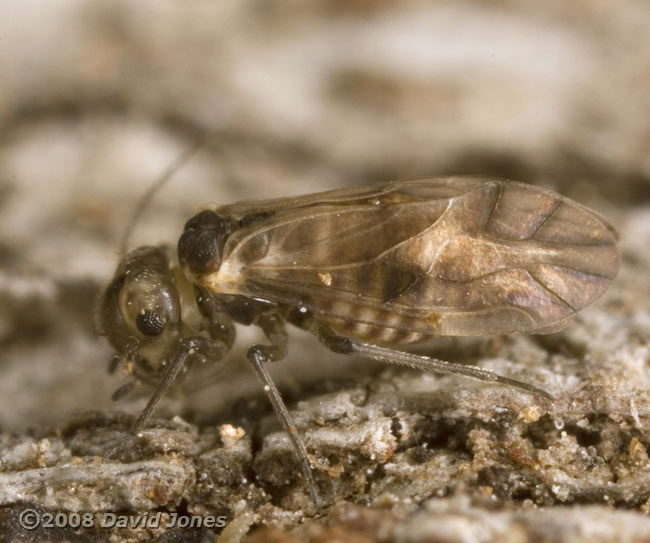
x=146, y=198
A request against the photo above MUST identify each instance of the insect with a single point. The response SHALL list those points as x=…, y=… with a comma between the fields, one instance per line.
x=366, y=270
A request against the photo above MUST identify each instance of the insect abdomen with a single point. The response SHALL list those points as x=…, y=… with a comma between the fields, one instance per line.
x=373, y=325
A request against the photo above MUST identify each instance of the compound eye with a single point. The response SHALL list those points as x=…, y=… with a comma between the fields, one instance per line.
x=150, y=323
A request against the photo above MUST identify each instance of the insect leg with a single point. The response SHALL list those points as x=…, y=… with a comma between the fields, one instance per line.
x=187, y=347
x=221, y=327
x=123, y=391
x=273, y=327
x=113, y=364
x=345, y=345
x=129, y=355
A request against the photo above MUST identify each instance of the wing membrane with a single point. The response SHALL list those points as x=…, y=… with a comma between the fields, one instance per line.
x=440, y=256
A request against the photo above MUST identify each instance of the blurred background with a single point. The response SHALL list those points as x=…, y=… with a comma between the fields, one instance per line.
x=98, y=98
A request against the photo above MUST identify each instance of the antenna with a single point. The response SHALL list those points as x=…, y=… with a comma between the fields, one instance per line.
x=146, y=198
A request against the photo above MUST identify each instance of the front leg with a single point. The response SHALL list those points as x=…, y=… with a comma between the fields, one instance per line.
x=273, y=327
x=187, y=347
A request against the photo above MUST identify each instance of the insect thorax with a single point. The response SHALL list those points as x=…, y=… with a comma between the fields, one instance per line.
x=200, y=247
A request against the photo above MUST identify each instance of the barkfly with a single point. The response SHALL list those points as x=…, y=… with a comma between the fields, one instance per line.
x=364, y=269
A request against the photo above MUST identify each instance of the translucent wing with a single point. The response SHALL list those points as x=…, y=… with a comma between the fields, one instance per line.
x=400, y=262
